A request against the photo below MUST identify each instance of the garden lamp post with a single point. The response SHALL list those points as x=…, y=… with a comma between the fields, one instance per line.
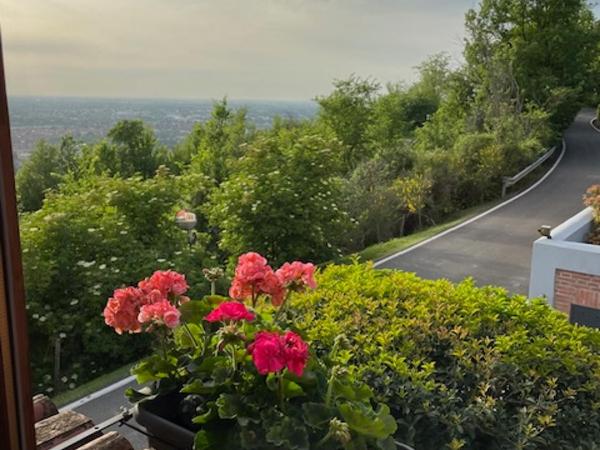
x=186, y=220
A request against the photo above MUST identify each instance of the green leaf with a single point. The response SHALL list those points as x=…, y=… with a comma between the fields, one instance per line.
x=206, y=417
x=288, y=434
x=154, y=368
x=362, y=419
x=202, y=441
x=190, y=336
x=194, y=311
x=358, y=443
x=317, y=414
x=387, y=444
x=136, y=395
x=292, y=389
x=198, y=386
x=351, y=391
x=229, y=406
x=211, y=362
x=214, y=300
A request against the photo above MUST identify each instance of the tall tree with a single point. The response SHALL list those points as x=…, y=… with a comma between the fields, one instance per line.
x=44, y=170
x=548, y=45
x=348, y=110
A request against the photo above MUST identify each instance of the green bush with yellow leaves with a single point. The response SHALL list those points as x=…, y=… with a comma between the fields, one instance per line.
x=461, y=366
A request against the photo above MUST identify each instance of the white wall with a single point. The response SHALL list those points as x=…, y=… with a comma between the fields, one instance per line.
x=564, y=251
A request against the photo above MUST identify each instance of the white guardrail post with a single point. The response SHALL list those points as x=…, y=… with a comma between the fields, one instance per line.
x=509, y=181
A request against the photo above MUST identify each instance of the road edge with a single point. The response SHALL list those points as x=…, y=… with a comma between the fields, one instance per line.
x=100, y=393
x=479, y=216
x=593, y=125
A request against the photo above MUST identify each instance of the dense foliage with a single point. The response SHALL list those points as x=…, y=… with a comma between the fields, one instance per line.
x=461, y=366
x=375, y=163
x=284, y=198
x=93, y=235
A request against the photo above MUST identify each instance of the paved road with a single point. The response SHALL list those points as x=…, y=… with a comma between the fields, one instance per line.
x=496, y=249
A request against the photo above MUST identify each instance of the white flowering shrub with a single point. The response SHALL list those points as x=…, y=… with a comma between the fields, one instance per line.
x=88, y=238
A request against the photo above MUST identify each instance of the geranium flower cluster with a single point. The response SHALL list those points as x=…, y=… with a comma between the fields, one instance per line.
x=153, y=302
x=254, y=277
x=272, y=352
x=230, y=312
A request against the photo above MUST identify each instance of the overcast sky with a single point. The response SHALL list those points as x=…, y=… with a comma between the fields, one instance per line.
x=246, y=49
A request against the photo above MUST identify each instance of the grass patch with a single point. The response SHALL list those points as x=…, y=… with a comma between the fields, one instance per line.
x=383, y=249
x=96, y=384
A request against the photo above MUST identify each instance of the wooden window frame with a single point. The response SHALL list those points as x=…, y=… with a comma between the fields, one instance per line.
x=16, y=408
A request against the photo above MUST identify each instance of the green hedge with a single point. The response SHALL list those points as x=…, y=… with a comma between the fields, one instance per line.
x=461, y=366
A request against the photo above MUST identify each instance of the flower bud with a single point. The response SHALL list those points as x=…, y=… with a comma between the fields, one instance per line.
x=340, y=431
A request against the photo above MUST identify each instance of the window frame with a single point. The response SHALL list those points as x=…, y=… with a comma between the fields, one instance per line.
x=16, y=406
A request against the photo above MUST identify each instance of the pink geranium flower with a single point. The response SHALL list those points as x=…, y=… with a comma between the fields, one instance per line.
x=267, y=352
x=296, y=353
x=272, y=352
x=161, y=312
x=297, y=275
x=253, y=276
x=230, y=311
x=122, y=309
x=166, y=282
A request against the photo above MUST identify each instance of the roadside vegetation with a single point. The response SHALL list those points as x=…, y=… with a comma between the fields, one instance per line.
x=378, y=162
x=460, y=367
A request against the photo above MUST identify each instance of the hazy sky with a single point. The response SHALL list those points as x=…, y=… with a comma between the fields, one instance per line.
x=264, y=49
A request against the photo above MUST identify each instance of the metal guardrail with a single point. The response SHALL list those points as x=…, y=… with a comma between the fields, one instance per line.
x=510, y=181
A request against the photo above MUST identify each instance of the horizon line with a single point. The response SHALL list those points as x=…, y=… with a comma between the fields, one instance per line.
x=182, y=99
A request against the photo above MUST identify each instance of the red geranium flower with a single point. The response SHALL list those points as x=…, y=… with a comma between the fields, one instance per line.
x=230, y=311
x=267, y=352
x=271, y=352
x=296, y=353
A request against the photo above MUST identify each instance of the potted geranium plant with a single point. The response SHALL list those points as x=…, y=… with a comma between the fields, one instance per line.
x=234, y=373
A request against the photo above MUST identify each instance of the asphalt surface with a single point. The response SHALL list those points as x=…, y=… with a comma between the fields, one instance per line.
x=496, y=249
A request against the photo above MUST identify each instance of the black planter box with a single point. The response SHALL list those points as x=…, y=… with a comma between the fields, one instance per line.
x=159, y=417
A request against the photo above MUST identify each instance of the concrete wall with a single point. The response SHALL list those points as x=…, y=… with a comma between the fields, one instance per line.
x=566, y=252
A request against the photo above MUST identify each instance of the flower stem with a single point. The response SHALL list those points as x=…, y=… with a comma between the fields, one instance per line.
x=280, y=376
x=189, y=333
x=329, y=394
x=282, y=307
x=324, y=440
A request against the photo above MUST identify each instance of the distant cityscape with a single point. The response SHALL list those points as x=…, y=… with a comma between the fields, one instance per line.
x=88, y=119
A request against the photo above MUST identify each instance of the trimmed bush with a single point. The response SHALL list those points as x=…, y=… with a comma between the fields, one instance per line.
x=461, y=366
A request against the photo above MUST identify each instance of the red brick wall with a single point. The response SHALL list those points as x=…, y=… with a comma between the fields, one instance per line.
x=575, y=288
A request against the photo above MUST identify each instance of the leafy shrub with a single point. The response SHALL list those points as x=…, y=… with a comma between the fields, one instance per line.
x=283, y=199
x=88, y=238
x=461, y=366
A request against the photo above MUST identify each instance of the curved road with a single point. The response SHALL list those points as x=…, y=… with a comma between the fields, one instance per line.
x=496, y=249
